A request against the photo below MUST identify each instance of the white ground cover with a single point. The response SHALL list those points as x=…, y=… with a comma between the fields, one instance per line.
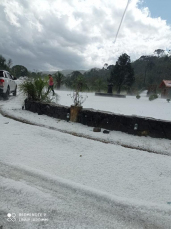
x=158, y=109
x=161, y=146
x=78, y=182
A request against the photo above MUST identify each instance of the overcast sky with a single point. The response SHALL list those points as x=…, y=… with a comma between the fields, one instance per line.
x=80, y=34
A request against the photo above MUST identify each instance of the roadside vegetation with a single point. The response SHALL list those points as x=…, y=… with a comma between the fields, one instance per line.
x=36, y=89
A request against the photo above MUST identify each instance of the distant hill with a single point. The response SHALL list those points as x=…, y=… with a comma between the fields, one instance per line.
x=64, y=72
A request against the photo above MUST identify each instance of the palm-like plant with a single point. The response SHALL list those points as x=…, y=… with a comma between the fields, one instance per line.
x=59, y=78
x=35, y=89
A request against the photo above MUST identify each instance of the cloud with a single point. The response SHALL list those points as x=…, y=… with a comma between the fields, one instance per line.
x=77, y=34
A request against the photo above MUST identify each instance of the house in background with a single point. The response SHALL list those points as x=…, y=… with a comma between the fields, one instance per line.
x=165, y=87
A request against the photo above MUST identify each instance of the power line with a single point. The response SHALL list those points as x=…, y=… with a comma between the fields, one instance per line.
x=122, y=19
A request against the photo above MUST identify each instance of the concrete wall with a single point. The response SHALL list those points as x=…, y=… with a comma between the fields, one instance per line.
x=110, y=121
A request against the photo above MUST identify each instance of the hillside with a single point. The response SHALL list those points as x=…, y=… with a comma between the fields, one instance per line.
x=151, y=70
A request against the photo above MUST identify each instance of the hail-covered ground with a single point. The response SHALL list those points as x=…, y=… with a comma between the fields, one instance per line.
x=58, y=174
x=158, y=108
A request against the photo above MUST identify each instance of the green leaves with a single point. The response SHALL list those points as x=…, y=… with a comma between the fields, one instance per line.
x=3, y=63
x=76, y=81
x=122, y=73
x=152, y=97
x=36, y=89
x=19, y=70
x=59, y=78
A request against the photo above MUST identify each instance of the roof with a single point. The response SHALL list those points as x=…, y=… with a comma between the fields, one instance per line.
x=166, y=83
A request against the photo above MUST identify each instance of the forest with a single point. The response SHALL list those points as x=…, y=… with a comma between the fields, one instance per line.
x=124, y=75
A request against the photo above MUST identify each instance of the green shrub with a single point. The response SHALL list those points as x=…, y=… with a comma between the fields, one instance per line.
x=153, y=96
x=138, y=96
x=36, y=89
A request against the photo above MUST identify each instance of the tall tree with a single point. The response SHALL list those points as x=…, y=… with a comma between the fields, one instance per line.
x=9, y=63
x=105, y=66
x=99, y=85
x=3, y=64
x=159, y=52
x=122, y=73
x=149, y=66
x=71, y=79
x=19, y=70
x=80, y=83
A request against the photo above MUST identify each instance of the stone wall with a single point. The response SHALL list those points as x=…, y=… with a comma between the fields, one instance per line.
x=55, y=111
x=110, y=121
x=145, y=126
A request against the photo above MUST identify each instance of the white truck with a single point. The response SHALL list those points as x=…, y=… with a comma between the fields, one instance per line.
x=7, y=84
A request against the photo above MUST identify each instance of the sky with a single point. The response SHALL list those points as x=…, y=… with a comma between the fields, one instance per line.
x=159, y=8
x=52, y=35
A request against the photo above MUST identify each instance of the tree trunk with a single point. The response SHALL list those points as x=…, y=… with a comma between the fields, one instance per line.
x=119, y=90
x=145, y=77
x=58, y=85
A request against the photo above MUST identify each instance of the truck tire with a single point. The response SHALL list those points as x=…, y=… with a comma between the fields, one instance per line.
x=6, y=95
x=15, y=92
